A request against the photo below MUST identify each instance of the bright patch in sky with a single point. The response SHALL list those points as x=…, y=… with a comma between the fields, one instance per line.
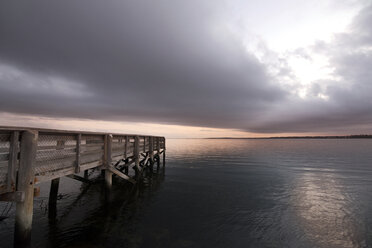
x=280, y=28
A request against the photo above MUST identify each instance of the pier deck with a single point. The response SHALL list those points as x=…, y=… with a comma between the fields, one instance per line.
x=29, y=156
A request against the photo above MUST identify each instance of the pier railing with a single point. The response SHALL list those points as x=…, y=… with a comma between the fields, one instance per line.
x=61, y=153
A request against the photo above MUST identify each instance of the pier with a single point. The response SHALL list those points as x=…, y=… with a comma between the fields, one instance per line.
x=29, y=156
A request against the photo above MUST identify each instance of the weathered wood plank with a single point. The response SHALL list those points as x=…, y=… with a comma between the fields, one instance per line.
x=17, y=196
x=54, y=147
x=64, y=172
x=117, y=153
x=122, y=175
x=4, y=149
x=91, y=149
x=48, y=138
x=4, y=157
x=85, y=158
x=79, y=178
x=117, y=158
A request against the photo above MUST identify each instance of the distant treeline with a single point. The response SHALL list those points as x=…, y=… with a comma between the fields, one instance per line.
x=357, y=136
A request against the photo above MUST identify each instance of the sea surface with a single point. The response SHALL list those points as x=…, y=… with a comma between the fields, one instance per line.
x=220, y=193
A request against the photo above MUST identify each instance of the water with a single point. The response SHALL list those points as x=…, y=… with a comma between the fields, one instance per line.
x=222, y=193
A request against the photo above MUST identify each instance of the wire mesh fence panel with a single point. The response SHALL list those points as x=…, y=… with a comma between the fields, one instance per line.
x=141, y=143
x=55, y=152
x=162, y=143
x=155, y=146
x=147, y=144
x=118, y=146
x=92, y=148
x=4, y=145
x=4, y=158
x=130, y=147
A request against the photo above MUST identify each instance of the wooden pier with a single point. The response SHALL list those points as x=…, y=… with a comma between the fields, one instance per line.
x=29, y=156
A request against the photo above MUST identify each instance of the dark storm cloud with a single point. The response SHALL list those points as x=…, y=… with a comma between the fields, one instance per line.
x=166, y=62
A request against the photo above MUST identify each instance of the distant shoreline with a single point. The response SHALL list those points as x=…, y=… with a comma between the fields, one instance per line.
x=360, y=136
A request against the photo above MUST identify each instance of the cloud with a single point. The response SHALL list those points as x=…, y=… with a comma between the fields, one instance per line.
x=166, y=62
x=173, y=62
x=348, y=103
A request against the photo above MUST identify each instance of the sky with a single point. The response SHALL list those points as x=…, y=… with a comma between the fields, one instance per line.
x=191, y=68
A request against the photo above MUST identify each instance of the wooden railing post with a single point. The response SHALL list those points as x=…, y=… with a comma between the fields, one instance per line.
x=107, y=161
x=126, y=170
x=25, y=183
x=78, y=143
x=158, y=151
x=126, y=147
x=151, y=151
x=12, y=162
x=163, y=151
x=136, y=155
x=144, y=143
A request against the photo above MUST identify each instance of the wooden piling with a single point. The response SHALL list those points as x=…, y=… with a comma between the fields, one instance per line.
x=136, y=155
x=164, y=152
x=126, y=170
x=158, y=152
x=107, y=161
x=151, y=151
x=78, y=144
x=25, y=183
x=53, y=195
x=163, y=157
x=108, y=179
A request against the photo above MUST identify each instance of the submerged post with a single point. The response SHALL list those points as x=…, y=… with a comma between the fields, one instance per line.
x=25, y=183
x=151, y=151
x=163, y=151
x=53, y=195
x=136, y=155
x=158, y=153
x=126, y=170
x=107, y=161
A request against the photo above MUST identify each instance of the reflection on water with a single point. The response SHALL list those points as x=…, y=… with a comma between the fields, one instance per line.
x=325, y=211
x=222, y=193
